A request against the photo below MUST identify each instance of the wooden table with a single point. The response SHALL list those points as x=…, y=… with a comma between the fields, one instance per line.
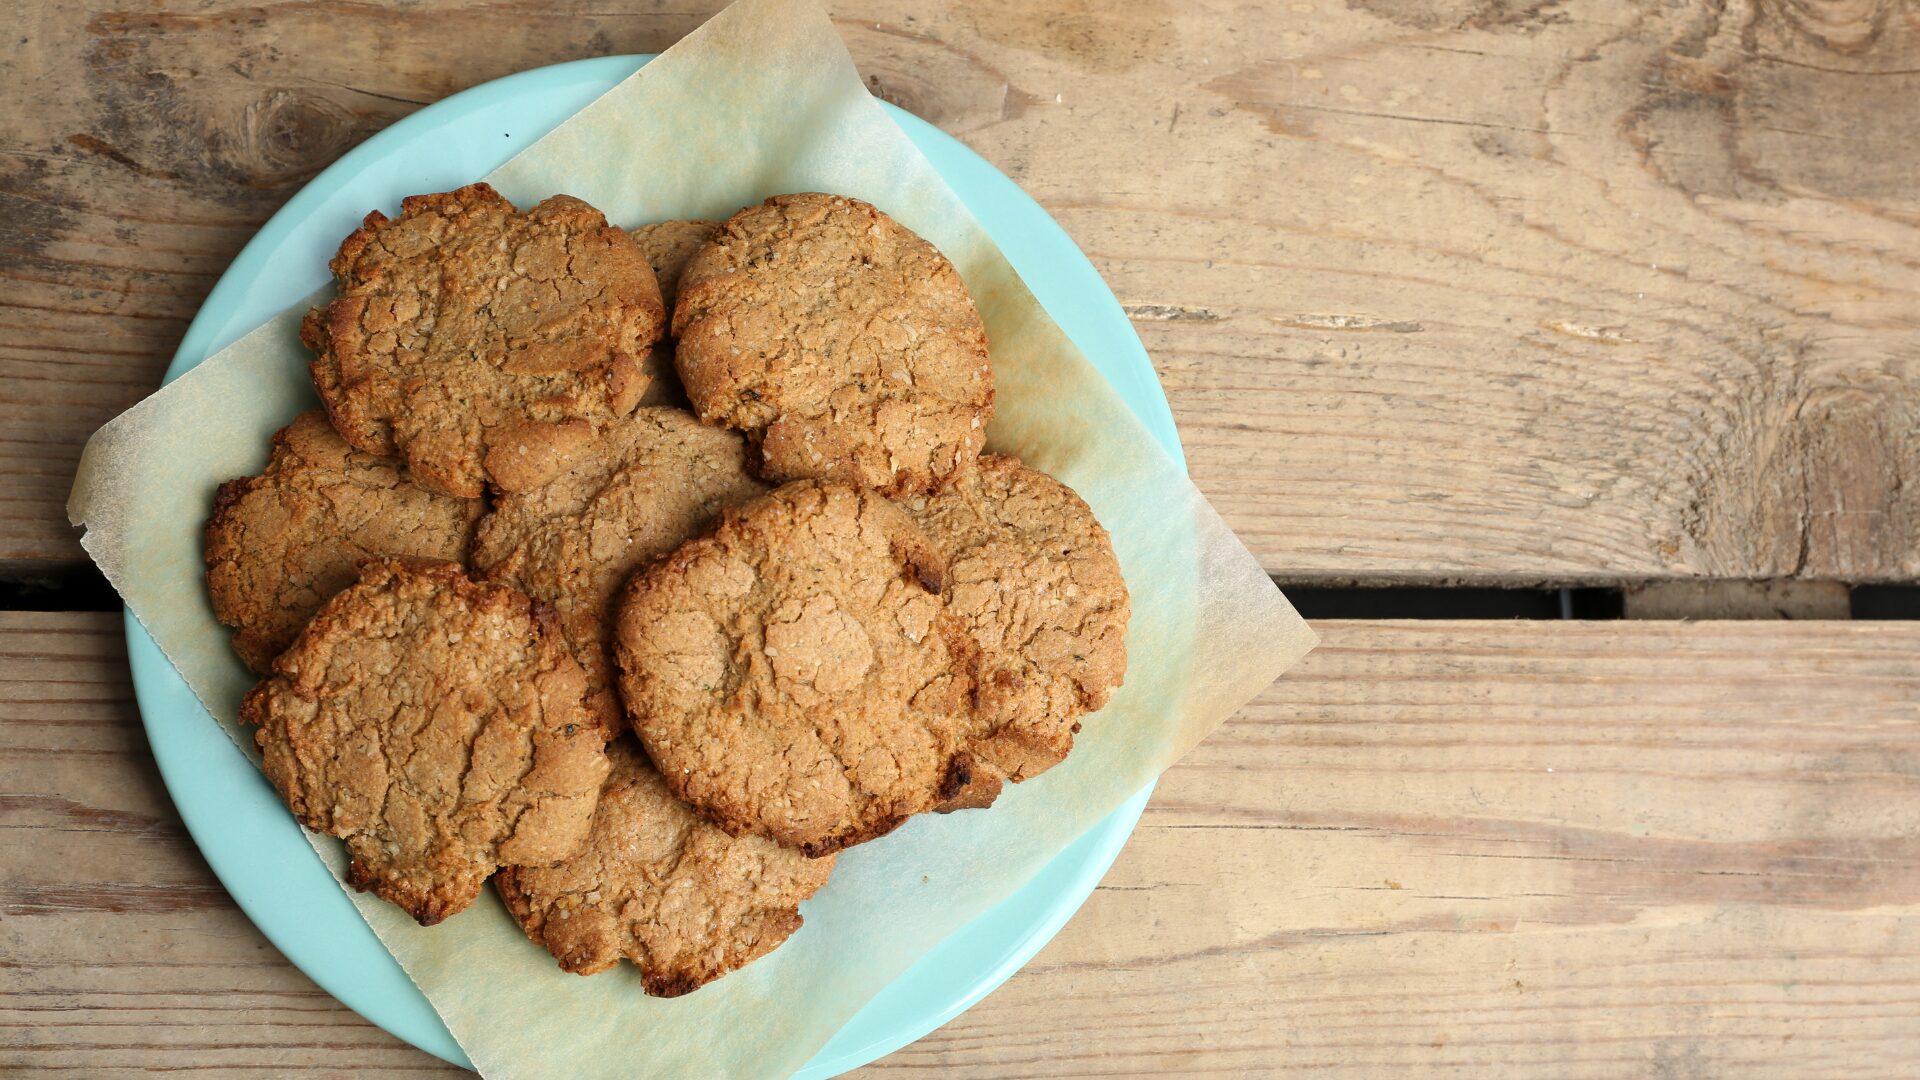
x=1449, y=291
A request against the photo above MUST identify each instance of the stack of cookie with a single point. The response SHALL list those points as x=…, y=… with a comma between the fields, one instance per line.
x=522, y=615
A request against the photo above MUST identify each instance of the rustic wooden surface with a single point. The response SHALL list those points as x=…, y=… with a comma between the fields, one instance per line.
x=1493, y=290
x=1516, y=849
x=1500, y=291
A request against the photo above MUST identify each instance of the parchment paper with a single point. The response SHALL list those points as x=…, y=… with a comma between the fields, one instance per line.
x=761, y=100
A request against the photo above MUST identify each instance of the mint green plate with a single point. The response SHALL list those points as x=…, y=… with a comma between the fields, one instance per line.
x=253, y=844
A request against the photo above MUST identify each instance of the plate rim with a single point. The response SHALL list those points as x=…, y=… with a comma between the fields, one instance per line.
x=150, y=668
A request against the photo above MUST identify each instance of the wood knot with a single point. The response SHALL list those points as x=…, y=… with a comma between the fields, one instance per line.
x=1695, y=76
x=1846, y=27
x=285, y=137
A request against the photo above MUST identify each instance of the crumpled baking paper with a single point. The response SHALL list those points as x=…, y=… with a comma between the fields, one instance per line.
x=763, y=99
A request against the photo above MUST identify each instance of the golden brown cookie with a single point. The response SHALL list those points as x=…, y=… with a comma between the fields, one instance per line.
x=1033, y=575
x=844, y=346
x=663, y=887
x=279, y=544
x=669, y=246
x=435, y=724
x=796, y=675
x=650, y=482
x=481, y=343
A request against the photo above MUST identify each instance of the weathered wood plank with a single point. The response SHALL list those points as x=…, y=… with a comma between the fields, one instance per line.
x=1523, y=849
x=1506, y=849
x=1471, y=290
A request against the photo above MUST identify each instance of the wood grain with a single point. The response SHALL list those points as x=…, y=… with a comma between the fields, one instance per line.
x=1489, y=290
x=1497, y=849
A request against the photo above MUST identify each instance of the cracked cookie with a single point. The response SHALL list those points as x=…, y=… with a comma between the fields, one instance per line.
x=435, y=724
x=667, y=246
x=280, y=543
x=480, y=343
x=661, y=886
x=796, y=675
x=649, y=483
x=1033, y=575
x=845, y=346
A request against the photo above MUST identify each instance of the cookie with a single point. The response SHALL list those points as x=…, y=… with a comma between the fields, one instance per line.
x=669, y=246
x=435, y=724
x=661, y=886
x=1033, y=575
x=480, y=343
x=796, y=675
x=280, y=543
x=845, y=346
x=649, y=483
